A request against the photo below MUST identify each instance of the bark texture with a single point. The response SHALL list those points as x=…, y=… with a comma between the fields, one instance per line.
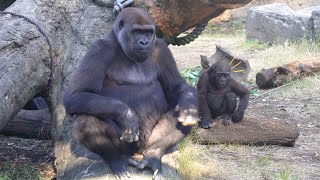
x=252, y=130
x=24, y=63
x=30, y=124
x=174, y=17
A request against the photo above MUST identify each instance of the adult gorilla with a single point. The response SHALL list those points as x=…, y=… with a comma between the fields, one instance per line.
x=128, y=96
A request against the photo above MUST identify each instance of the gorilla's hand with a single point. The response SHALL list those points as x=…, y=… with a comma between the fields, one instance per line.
x=131, y=127
x=187, y=117
x=237, y=116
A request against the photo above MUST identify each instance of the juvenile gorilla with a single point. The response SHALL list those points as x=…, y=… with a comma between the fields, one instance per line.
x=217, y=92
x=128, y=96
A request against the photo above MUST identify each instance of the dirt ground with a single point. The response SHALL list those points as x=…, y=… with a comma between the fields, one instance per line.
x=260, y=162
x=221, y=161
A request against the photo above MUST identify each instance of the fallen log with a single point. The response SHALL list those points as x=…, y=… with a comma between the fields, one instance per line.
x=30, y=124
x=253, y=130
x=277, y=76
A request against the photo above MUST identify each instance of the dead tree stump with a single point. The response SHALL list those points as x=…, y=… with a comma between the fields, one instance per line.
x=240, y=67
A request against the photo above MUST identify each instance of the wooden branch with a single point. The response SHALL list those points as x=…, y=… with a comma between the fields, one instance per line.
x=253, y=130
x=183, y=15
x=30, y=124
x=277, y=76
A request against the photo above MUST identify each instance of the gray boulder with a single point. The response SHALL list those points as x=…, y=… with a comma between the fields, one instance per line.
x=279, y=23
x=316, y=23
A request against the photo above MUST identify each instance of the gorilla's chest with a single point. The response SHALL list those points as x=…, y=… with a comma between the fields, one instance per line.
x=135, y=84
x=130, y=73
x=218, y=92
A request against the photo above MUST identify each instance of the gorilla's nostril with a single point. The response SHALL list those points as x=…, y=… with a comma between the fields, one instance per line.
x=143, y=43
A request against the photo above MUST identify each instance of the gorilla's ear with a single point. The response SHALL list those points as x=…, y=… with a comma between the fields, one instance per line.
x=121, y=24
x=209, y=70
x=204, y=62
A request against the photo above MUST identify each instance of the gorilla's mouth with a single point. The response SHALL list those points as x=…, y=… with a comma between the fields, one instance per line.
x=144, y=50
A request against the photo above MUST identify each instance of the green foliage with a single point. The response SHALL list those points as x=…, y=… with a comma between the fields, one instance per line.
x=285, y=175
x=191, y=75
x=253, y=45
x=10, y=171
x=262, y=161
x=255, y=92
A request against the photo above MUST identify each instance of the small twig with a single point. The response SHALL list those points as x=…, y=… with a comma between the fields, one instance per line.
x=274, y=89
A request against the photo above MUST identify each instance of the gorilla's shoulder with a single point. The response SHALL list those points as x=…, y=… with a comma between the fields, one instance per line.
x=103, y=46
x=160, y=43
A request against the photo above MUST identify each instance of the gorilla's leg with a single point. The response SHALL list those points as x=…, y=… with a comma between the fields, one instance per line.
x=217, y=106
x=103, y=138
x=230, y=107
x=166, y=134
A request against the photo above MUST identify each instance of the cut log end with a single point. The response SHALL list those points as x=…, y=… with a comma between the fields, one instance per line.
x=264, y=79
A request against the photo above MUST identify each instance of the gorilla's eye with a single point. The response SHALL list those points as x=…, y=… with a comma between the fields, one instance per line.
x=121, y=24
x=149, y=32
x=225, y=75
x=136, y=32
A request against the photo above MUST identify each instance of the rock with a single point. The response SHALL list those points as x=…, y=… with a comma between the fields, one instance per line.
x=241, y=67
x=278, y=23
x=89, y=166
x=252, y=130
x=316, y=24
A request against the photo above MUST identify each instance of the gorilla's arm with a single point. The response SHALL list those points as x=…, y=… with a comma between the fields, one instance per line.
x=84, y=89
x=243, y=93
x=179, y=94
x=204, y=110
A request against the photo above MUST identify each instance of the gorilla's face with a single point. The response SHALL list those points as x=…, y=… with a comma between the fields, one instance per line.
x=136, y=35
x=219, y=74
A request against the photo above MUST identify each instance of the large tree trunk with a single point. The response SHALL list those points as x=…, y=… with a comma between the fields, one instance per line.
x=24, y=65
x=24, y=68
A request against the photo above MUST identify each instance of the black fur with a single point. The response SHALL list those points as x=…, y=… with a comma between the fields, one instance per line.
x=124, y=94
x=218, y=93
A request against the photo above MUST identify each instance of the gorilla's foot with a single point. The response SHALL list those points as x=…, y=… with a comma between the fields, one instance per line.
x=152, y=159
x=157, y=175
x=226, y=119
x=155, y=165
x=205, y=123
x=119, y=168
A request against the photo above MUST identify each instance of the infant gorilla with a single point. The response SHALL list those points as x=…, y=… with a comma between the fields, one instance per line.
x=217, y=93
